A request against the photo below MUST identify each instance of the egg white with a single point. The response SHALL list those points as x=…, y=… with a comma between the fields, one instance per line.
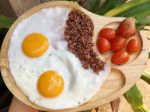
x=80, y=84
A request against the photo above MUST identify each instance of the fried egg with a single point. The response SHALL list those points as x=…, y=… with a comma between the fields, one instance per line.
x=42, y=66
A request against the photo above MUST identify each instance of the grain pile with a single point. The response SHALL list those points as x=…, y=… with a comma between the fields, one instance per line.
x=79, y=34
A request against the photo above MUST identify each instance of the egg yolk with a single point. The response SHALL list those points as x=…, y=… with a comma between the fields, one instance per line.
x=50, y=84
x=35, y=45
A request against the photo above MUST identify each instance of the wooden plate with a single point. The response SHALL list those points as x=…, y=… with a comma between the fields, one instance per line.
x=120, y=79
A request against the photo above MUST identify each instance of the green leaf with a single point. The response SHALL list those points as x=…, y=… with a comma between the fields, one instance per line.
x=93, y=5
x=143, y=21
x=139, y=9
x=135, y=98
x=144, y=14
x=108, y=5
x=6, y=22
x=146, y=77
x=124, y=7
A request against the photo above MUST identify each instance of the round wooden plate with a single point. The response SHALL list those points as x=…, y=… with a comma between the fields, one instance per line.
x=120, y=79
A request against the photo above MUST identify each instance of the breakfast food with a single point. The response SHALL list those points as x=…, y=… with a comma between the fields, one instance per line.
x=103, y=45
x=120, y=57
x=35, y=45
x=119, y=41
x=127, y=28
x=108, y=33
x=45, y=66
x=79, y=34
x=133, y=46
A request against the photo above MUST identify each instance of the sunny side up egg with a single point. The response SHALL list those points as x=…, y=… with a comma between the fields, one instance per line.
x=43, y=67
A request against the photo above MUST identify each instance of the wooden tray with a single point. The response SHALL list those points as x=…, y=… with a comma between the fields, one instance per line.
x=120, y=79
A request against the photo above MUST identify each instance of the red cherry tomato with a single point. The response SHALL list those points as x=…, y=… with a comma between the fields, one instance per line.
x=133, y=46
x=120, y=57
x=118, y=43
x=103, y=45
x=108, y=33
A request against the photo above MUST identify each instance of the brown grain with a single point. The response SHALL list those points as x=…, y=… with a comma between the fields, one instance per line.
x=79, y=33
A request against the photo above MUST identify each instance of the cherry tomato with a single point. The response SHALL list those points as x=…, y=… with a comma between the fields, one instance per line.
x=103, y=45
x=118, y=43
x=120, y=57
x=108, y=33
x=133, y=46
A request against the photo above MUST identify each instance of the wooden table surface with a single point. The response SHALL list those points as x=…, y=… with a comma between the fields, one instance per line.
x=124, y=105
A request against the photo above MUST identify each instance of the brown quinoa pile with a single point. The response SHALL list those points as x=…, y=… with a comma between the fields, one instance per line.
x=78, y=34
